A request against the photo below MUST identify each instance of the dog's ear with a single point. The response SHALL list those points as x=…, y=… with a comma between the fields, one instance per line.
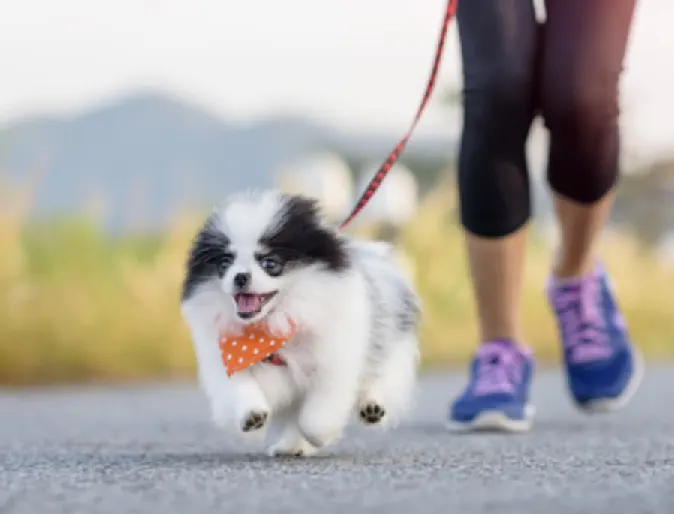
x=301, y=205
x=205, y=257
x=300, y=231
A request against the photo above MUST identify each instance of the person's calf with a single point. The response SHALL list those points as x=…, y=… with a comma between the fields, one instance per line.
x=496, y=266
x=580, y=227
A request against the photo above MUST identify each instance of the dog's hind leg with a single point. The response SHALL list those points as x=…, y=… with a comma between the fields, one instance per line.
x=291, y=443
x=387, y=394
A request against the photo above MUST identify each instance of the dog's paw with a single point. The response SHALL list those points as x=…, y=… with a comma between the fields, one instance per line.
x=254, y=420
x=371, y=413
x=295, y=448
x=318, y=433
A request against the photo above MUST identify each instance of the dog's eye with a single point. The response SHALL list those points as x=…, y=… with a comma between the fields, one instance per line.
x=225, y=262
x=272, y=264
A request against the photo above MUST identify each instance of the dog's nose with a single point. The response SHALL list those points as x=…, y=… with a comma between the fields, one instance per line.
x=241, y=280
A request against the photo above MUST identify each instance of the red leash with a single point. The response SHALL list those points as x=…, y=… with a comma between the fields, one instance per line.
x=395, y=153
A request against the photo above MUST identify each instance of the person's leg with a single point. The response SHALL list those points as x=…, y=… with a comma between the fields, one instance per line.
x=496, y=267
x=584, y=49
x=580, y=226
x=580, y=105
x=498, y=47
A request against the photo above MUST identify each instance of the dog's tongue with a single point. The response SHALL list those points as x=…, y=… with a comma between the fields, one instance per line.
x=248, y=303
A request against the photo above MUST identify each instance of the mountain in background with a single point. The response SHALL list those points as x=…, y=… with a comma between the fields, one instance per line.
x=147, y=155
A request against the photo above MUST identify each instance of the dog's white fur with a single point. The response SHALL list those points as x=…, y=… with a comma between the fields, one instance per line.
x=349, y=350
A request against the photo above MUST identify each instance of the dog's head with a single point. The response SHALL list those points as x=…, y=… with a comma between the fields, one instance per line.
x=257, y=246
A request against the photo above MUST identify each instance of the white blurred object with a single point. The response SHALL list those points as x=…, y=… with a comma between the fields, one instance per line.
x=323, y=176
x=397, y=199
x=540, y=11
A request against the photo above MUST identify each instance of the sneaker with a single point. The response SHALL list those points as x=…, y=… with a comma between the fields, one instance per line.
x=497, y=396
x=603, y=368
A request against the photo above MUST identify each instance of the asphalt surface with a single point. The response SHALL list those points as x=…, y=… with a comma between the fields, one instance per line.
x=154, y=450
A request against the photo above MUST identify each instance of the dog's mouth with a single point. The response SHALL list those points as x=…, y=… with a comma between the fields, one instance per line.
x=249, y=305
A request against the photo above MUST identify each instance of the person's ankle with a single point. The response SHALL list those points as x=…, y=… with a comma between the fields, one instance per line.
x=566, y=269
x=517, y=342
x=517, y=346
x=570, y=272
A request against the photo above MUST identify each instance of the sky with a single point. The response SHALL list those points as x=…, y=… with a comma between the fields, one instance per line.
x=351, y=63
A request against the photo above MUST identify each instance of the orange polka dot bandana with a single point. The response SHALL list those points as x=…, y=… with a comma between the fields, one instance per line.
x=254, y=344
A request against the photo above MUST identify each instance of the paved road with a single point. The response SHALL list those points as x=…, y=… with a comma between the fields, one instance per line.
x=153, y=450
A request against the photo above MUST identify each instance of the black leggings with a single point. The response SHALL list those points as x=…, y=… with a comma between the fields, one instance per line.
x=514, y=68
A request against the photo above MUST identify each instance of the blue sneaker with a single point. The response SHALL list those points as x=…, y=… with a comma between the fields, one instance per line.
x=497, y=396
x=603, y=368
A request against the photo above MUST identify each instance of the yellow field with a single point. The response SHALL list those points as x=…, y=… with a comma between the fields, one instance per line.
x=75, y=305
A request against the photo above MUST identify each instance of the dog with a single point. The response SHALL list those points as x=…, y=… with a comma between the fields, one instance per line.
x=266, y=256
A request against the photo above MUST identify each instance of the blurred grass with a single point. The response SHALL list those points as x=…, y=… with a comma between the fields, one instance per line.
x=76, y=305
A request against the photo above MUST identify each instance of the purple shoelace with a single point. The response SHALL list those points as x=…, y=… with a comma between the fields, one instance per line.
x=499, y=368
x=578, y=306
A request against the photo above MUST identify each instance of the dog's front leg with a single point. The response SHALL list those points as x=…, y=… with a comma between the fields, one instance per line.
x=328, y=403
x=236, y=401
x=250, y=405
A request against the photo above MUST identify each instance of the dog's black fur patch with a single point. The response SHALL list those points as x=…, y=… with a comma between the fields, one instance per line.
x=300, y=238
x=207, y=257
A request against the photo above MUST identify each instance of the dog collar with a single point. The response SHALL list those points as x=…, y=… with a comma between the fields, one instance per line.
x=254, y=344
x=275, y=359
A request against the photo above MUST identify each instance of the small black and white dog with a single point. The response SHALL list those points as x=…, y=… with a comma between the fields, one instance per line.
x=269, y=256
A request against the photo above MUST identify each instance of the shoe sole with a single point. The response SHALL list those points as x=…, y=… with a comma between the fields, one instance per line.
x=603, y=405
x=495, y=421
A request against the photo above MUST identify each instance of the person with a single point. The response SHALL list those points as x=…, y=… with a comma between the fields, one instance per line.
x=567, y=70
